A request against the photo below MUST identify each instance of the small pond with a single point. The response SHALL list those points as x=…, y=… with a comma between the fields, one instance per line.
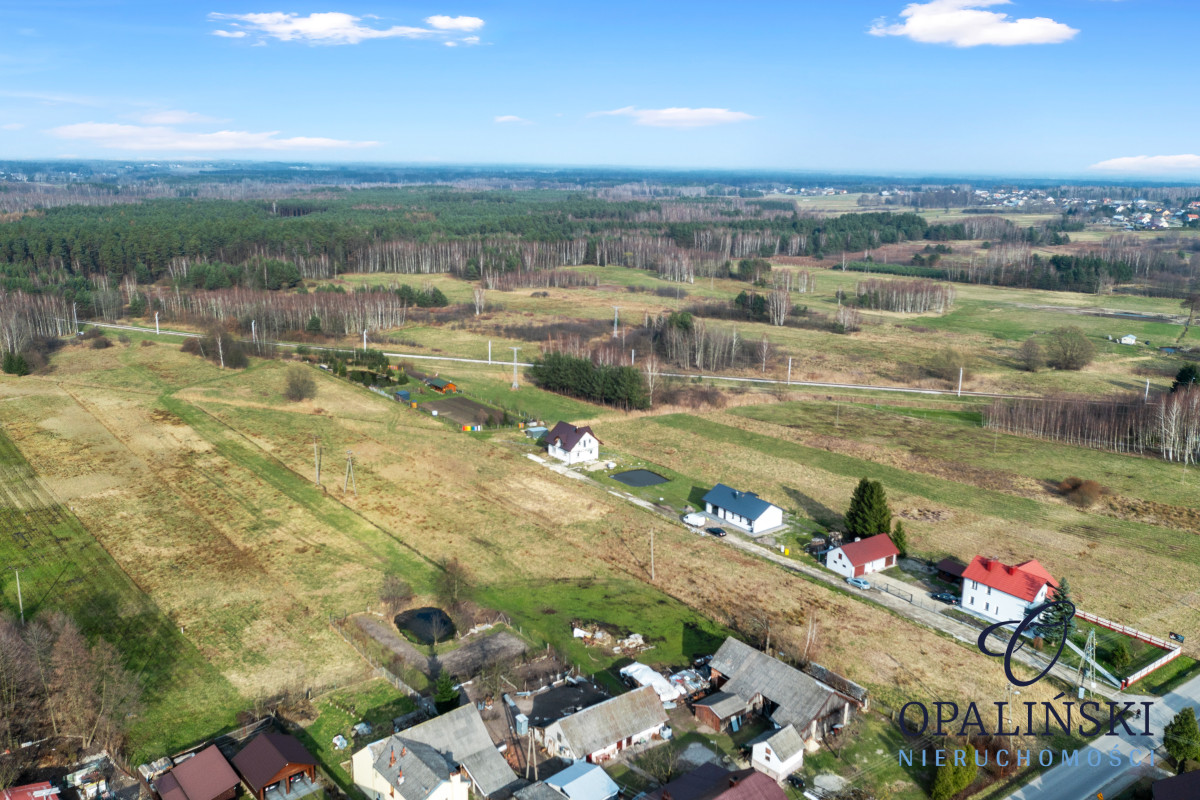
x=639, y=477
x=427, y=625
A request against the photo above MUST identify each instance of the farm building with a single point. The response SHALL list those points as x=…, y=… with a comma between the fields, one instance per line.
x=778, y=753
x=584, y=781
x=275, y=761
x=863, y=556
x=30, y=791
x=721, y=710
x=950, y=570
x=1000, y=592
x=810, y=705
x=441, y=385
x=572, y=445
x=1128, y=338
x=204, y=776
x=744, y=510
x=601, y=731
x=445, y=758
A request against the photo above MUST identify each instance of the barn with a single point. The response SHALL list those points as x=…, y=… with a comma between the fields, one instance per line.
x=441, y=385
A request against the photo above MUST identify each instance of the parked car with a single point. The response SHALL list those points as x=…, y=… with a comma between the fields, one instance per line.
x=945, y=597
x=796, y=781
x=695, y=520
x=716, y=531
x=858, y=583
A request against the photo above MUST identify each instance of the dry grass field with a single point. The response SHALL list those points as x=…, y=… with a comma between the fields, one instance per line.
x=197, y=482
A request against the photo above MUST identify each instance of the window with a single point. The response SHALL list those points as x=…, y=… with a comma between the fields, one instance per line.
x=986, y=607
x=989, y=590
x=972, y=600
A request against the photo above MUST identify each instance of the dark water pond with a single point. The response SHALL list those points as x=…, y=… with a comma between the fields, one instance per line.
x=639, y=477
x=426, y=625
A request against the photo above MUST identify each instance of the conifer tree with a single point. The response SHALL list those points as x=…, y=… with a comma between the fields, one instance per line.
x=868, y=514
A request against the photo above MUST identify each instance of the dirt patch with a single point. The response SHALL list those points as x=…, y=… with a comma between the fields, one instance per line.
x=925, y=514
x=1151, y=513
x=464, y=411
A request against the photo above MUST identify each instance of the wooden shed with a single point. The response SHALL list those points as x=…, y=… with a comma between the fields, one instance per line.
x=274, y=759
x=442, y=385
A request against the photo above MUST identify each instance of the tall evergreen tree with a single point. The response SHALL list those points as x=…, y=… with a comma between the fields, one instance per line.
x=952, y=779
x=1188, y=375
x=900, y=539
x=868, y=514
x=445, y=694
x=1059, y=621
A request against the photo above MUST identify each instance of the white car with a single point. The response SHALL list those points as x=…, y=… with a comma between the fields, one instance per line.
x=695, y=520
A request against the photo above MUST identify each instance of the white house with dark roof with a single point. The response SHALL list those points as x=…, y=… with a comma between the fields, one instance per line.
x=599, y=732
x=778, y=753
x=446, y=758
x=573, y=445
x=744, y=510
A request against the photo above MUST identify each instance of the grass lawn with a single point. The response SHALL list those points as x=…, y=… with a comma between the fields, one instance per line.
x=1163, y=680
x=375, y=702
x=869, y=756
x=631, y=783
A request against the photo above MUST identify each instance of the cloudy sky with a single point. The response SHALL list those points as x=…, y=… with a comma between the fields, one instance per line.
x=1016, y=87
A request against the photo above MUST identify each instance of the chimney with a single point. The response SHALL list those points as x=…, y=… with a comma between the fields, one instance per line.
x=392, y=760
x=403, y=750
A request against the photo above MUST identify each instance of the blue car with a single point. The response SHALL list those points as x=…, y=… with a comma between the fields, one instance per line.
x=858, y=583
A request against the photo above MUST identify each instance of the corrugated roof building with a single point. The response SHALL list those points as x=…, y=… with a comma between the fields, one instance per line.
x=601, y=731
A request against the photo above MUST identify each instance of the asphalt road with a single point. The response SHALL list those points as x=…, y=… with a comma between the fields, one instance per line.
x=1066, y=782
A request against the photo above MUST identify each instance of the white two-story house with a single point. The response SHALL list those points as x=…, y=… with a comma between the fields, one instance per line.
x=572, y=445
x=1001, y=592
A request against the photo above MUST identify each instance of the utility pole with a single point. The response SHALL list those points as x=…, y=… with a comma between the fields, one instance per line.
x=960, y=374
x=364, y=341
x=156, y=323
x=1147, y=398
x=615, y=309
x=651, y=554
x=789, y=380
x=633, y=357
x=515, y=385
x=489, y=351
x=317, y=458
x=349, y=481
x=20, y=602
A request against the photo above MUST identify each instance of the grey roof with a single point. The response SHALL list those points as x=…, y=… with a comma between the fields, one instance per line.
x=724, y=704
x=799, y=697
x=785, y=742
x=567, y=435
x=538, y=791
x=461, y=738
x=601, y=725
x=584, y=781
x=745, y=504
x=414, y=768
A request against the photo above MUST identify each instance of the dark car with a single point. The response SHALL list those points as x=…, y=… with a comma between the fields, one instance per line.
x=716, y=531
x=945, y=597
x=796, y=781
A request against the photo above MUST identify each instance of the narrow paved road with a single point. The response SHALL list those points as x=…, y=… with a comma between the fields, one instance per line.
x=1082, y=782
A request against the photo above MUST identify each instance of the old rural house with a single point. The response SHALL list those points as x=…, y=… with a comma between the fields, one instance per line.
x=601, y=731
x=863, y=556
x=744, y=510
x=277, y=763
x=572, y=445
x=788, y=698
x=721, y=710
x=442, y=759
x=1000, y=592
x=778, y=753
x=204, y=776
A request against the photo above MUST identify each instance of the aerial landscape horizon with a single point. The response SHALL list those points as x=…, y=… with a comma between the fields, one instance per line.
x=528, y=401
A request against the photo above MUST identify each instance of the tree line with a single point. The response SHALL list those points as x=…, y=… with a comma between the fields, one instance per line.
x=581, y=377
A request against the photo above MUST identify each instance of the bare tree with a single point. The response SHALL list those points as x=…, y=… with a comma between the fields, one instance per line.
x=480, y=296
x=650, y=370
x=764, y=352
x=1031, y=356
x=395, y=593
x=452, y=582
x=661, y=763
x=779, y=303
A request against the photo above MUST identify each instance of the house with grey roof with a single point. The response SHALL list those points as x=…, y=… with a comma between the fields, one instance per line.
x=812, y=706
x=599, y=732
x=447, y=758
x=778, y=752
x=744, y=510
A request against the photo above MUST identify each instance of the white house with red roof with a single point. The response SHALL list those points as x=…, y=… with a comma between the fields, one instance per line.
x=1001, y=592
x=863, y=556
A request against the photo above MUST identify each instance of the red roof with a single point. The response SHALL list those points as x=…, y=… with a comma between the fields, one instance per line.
x=1023, y=581
x=870, y=549
x=23, y=792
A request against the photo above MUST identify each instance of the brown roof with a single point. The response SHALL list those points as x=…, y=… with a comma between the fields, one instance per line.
x=267, y=755
x=870, y=549
x=204, y=776
x=695, y=785
x=751, y=785
x=569, y=435
x=951, y=566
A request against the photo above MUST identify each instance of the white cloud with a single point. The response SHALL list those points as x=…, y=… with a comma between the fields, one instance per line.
x=12, y=126
x=511, y=119
x=464, y=24
x=173, y=117
x=470, y=40
x=677, y=117
x=160, y=138
x=331, y=27
x=964, y=23
x=229, y=34
x=450, y=44
x=1144, y=164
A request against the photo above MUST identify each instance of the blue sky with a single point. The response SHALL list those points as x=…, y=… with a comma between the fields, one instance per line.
x=979, y=87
